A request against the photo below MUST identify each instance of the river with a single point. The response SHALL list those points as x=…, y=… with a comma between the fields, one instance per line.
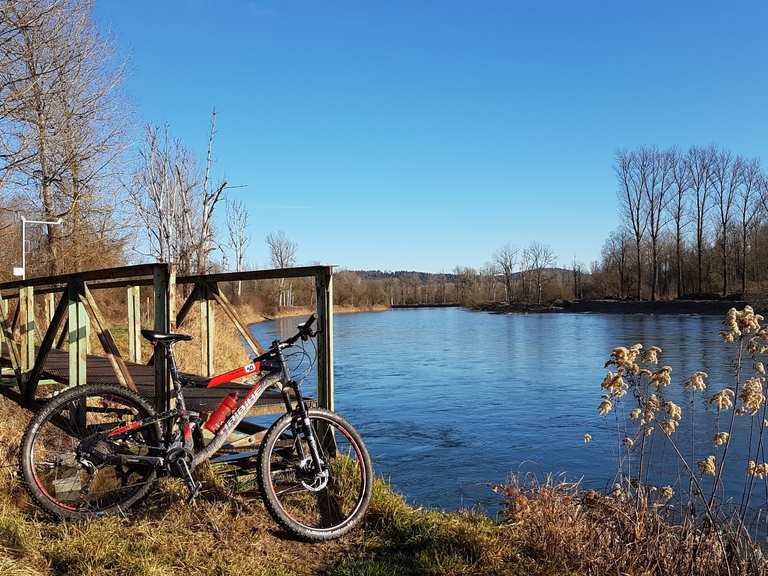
x=450, y=400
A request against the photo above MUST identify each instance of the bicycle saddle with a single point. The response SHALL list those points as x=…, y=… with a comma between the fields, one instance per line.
x=163, y=337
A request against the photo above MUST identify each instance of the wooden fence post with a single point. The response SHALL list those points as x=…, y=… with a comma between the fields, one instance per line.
x=27, y=327
x=325, y=385
x=76, y=328
x=3, y=318
x=50, y=307
x=207, y=334
x=161, y=284
x=134, y=324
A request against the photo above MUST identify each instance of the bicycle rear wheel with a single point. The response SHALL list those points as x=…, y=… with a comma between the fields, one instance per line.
x=310, y=505
x=67, y=459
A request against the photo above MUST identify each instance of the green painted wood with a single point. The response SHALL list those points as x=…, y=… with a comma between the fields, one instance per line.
x=50, y=307
x=207, y=334
x=27, y=327
x=76, y=336
x=134, y=324
x=325, y=383
x=161, y=284
x=3, y=316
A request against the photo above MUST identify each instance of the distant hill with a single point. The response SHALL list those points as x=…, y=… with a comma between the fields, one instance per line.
x=426, y=276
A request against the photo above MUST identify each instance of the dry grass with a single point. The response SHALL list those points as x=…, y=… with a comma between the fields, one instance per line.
x=548, y=529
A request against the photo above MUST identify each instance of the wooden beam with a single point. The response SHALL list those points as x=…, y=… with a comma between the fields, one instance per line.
x=64, y=330
x=134, y=324
x=27, y=327
x=76, y=319
x=185, y=309
x=50, y=307
x=162, y=323
x=296, y=272
x=171, y=297
x=54, y=324
x=107, y=341
x=10, y=343
x=3, y=316
x=207, y=334
x=325, y=384
x=226, y=306
x=15, y=321
x=107, y=274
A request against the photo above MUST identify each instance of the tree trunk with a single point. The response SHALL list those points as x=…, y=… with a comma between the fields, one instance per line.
x=698, y=251
x=639, y=269
x=725, y=265
x=678, y=256
x=654, y=270
x=743, y=260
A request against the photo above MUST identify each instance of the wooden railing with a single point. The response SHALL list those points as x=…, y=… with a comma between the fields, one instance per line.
x=25, y=346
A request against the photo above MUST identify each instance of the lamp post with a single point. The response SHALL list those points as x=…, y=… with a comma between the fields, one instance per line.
x=23, y=270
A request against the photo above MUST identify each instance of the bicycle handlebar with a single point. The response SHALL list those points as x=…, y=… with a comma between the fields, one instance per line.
x=305, y=331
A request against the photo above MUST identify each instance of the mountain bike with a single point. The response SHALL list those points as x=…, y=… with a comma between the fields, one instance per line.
x=98, y=449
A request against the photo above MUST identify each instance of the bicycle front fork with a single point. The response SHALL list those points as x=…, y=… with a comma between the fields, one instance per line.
x=301, y=417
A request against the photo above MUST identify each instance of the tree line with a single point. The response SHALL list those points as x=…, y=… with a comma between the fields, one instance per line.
x=692, y=225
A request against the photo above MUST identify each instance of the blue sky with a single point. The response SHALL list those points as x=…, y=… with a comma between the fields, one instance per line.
x=424, y=135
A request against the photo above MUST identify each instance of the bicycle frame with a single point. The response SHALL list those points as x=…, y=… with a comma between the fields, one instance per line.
x=278, y=377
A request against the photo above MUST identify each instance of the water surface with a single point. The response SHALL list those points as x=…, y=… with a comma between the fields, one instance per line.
x=449, y=400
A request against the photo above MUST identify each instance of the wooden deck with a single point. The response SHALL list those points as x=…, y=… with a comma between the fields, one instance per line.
x=99, y=371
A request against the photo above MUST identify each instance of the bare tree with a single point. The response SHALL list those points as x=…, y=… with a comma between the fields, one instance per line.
x=615, y=256
x=656, y=180
x=727, y=175
x=237, y=232
x=678, y=209
x=747, y=204
x=699, y=164
x=506, y=259
x=578, y=275
x=540, y=257
x=629, y=169
x=175, y=205
x=164, y=199
x=62, y=123
x=210, y=198
x=282, y=252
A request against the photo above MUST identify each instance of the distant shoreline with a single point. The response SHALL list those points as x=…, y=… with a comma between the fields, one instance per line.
x=701, y=307
x=302, y=311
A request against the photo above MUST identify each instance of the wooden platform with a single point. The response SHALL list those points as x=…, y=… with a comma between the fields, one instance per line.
x=99, y=371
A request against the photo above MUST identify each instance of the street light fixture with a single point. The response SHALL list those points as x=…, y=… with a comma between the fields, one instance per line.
x=23, y=270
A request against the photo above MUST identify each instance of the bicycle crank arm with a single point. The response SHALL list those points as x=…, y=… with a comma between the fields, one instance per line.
x=155, y=461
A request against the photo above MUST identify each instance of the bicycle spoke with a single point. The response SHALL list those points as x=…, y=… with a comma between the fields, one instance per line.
x=73, y=461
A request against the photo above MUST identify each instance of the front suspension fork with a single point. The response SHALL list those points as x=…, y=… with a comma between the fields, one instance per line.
x=301, y=417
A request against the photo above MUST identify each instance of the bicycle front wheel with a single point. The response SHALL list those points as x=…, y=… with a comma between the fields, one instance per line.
x=315, y=505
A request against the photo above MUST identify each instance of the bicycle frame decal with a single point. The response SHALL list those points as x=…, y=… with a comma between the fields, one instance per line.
x=234, y=419
x=126, y=428
x=234, y=374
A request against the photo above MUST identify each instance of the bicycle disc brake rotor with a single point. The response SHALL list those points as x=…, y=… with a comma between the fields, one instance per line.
x=318, y=480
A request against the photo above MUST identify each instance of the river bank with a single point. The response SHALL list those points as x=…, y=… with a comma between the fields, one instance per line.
x=546, y=529
x=701, y=307
x=306, y=311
